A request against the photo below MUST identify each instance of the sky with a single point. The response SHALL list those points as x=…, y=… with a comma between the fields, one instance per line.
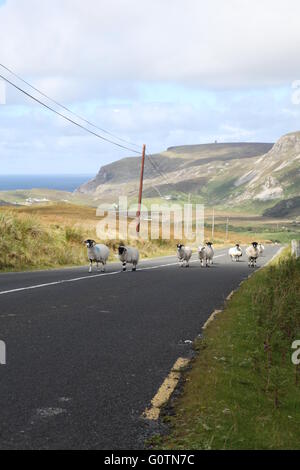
x=160, y=72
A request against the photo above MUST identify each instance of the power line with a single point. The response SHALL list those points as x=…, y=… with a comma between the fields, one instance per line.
x=157, y=168
x=68, y=109
x=67, y=118
x=152, y=162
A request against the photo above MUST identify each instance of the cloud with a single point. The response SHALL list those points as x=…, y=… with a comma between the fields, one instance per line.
x=164, y=72
x=211, y=44
x=35, y=141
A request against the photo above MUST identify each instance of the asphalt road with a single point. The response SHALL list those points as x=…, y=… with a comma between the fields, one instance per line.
x=86, y=353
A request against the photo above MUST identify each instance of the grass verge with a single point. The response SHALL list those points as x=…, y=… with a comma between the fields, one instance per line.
x=25, y=243
x=243, y=392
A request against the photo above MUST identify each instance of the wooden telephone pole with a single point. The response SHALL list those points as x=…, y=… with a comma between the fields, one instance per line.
x=138, y=213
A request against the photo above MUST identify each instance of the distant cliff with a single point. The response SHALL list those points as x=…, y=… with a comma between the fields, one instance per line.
x=228, y=174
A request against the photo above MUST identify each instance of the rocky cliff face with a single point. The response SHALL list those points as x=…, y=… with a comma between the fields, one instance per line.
x=276, y=174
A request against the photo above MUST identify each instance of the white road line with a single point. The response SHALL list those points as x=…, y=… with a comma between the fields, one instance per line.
x=55, y=283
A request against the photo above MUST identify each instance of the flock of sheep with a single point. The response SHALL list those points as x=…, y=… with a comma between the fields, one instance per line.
x=206, y=254
x=99, y=254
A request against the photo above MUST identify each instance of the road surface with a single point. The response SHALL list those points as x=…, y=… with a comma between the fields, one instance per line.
x=87, y=353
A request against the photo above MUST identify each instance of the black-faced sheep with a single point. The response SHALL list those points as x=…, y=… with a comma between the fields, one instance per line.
x=252, y=253
x=184, y=254
x=206, y=254
x=97, y=253
x=129, y=255
x=235, y=252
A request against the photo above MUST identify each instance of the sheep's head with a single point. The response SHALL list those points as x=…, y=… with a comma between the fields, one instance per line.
x=90, y=243
x=122, y=249
x=209, y=244
x=254, y=244
x=179, y=246
x=237, y=245
x=201, y=248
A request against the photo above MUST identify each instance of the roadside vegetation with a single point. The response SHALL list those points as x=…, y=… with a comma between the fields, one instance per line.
x=52, y=234
x=26, y=243
x=243, y=391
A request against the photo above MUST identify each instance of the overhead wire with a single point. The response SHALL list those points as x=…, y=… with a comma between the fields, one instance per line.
x=155, y=166
x=68, y=118
x=68, y=109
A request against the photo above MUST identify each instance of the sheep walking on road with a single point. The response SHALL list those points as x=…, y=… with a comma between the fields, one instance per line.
x=184, y=254
x=129, y=255
x=235, y=252
x=252, y=253
x=206, y=254
x=97, y=253
x=260, y=248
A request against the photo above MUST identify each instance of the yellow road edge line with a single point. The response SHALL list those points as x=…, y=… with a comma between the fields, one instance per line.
x=229, y=296
x=211, y=318
x=165, y=390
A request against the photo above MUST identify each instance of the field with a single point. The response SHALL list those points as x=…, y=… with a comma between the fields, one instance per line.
x=242, y=391
x=52, y=234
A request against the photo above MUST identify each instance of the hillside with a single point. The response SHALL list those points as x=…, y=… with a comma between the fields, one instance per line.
x=226, y=175
x=285, y=208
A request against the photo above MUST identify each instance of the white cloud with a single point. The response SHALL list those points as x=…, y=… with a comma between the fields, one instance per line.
x=164, y=72
x=216, y=43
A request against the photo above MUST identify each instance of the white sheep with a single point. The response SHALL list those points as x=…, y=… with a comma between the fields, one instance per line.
x=260, y=248
x=184, y=254
x=206, y=253
x=235, y=252
x=252, y=253
x=202, y=254
x=129, y=255
x=98, y=253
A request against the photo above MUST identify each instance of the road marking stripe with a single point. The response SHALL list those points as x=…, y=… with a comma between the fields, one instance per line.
x=165, y=390
x=211, y=318
x=93, y=276
x=229, y=296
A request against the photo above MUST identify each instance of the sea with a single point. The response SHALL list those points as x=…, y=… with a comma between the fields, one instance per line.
x=58, y=182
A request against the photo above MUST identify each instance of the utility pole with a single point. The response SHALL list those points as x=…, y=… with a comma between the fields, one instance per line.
x=138, y=213
x=213, y=225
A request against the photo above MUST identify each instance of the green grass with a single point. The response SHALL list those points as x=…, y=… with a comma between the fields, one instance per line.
x=243, y=392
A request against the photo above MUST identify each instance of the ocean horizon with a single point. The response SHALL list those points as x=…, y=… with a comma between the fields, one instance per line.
x=56, y=182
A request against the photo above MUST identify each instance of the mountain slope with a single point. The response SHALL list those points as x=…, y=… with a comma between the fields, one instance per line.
x=231, y=175
x=285, y=208
x=179, y=162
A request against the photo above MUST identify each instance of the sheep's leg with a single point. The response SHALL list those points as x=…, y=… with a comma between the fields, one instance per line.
x=97, y=265
x=103, y=267
x=91, y=266
x=187, y=264
x=134, y=267
x=124, y=266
